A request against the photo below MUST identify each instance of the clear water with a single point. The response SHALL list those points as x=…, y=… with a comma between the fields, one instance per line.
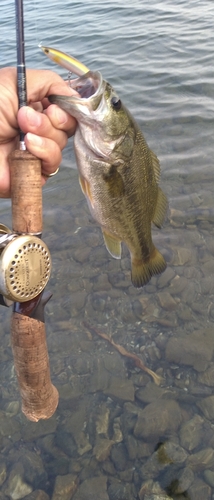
x=159, y=57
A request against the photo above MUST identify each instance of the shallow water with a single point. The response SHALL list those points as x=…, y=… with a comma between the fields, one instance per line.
x=116, y=435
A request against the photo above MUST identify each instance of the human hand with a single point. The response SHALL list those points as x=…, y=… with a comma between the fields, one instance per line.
x=47, y=127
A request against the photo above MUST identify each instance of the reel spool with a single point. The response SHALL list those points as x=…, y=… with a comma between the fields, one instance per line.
x=25, y=265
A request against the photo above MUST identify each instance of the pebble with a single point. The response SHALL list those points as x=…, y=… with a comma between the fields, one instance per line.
x=16, y=487
x=209, y=477
x=65, y=487
x=102, y=449
x=192, y=432
x=199, y=490
x=92, y=488
x=206, y=405
x=207, y=377
x=157, y=418
x=203, y=459
x=37, y=495
x=166, y=301
x=194, y=350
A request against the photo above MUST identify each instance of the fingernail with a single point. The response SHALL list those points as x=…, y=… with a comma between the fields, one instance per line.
x=61, y=116
x=33, y=117
x=35, y=140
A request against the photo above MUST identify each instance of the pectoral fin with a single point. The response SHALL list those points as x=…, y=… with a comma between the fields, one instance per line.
x=112, y=244
x=114, y=182
x=85, y=186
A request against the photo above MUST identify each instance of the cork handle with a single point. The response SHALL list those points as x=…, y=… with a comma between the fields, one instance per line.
x=39, y=396
x=28, y=337
x=26, y=192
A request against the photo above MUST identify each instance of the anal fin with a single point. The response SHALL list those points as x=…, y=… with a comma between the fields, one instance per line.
x=112, y=244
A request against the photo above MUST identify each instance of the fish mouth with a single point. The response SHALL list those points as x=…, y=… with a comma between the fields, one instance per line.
x=90, y=89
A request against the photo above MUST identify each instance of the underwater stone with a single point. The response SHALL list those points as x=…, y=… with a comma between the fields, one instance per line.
x=157, y=418
x=95, y=487
x=191, y=433
x=207, y=407
x=199, y=490
x=65, y=487
x=37, y=495
x=194, y=350
x=16, y=487
x=203, y=459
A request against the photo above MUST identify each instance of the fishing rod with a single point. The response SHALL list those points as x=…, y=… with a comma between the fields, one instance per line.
x=27, y=265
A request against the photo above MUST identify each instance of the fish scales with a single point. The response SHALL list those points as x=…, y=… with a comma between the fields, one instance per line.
x=118, y=173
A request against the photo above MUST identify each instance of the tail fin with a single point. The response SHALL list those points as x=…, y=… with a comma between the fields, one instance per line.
x=143, y=271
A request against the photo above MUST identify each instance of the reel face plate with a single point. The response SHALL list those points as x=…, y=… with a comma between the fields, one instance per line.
x=25, y=267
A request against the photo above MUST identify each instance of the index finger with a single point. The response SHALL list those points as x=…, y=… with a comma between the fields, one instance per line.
x=42, y=83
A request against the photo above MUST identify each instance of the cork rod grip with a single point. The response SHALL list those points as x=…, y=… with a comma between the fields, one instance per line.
x=28, y=337
x=39, y=396
x=26, y=192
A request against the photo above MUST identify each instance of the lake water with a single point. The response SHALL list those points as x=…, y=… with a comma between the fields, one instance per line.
x=116, y=435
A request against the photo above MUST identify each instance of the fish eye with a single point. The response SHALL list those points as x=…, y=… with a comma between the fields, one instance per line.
x=116, y=103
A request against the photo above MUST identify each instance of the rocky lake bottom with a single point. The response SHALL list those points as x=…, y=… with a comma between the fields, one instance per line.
x=116, y=434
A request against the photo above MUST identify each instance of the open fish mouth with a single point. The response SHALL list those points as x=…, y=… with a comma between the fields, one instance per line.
x=90, y=89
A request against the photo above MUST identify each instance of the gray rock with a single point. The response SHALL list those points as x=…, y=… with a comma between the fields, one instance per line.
x=102, y=420
x=120, y=388
x=120, y=491
x=102, y=449
x=65, y=442
x=206, y=405
x=209, y=477
x=95, y=487
x=119, y=456
x=167, y=454
x=150, y=393
x=157, y=418
x=37, y=495
x=16, y=487
x=3, y=472
x=203, y=459
x=65, y=487
x=195, y=350
x=34, y=472
x=191, y=433
x=185, y=480
x=166, y=301
x=34, y=430
x=207, y=377
x=137, y=448
x=199, y=490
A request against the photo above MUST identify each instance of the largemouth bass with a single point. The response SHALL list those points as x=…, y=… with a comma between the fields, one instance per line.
x=118, y=173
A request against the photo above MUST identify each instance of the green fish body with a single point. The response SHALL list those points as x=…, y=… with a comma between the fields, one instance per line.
x=118, y=173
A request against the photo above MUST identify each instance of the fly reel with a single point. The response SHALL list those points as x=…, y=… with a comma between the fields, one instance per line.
x=25, y=265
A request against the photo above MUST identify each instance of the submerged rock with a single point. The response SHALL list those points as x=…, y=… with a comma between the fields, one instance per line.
x=166, y=455
x=95, y=487
x=191, y=433
x=207, y=407
x=16, y=487
x=199, y=490
x=65, y=487
x=203, y=459
x=157, y=418
x=194, y=350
